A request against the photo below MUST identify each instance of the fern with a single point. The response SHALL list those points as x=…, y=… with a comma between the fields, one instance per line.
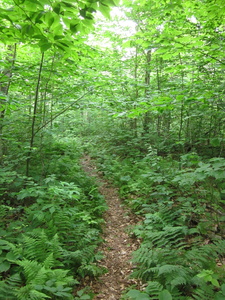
x=162, y=217
x=173, y=266
x=38, y=246
x=91, y=269
x=167, y=269
x=8, y=287
x=49, y=262
x=153, y=289
x=28, y=292
x=179, y=281
x=43, y=281
x=4, y=211
x=169, y=236
x=31, y=269
x=205, y=292
x=51, y=237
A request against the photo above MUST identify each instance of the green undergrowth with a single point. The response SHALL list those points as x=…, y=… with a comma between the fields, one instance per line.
x=182, y=204
x=50, y=228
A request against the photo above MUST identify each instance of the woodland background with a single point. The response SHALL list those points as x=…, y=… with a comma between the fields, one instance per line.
x=143, y=93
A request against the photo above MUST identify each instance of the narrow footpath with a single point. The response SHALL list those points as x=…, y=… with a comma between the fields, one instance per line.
x=118, y=245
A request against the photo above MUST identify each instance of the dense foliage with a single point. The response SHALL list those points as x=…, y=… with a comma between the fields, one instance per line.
x=147, y=101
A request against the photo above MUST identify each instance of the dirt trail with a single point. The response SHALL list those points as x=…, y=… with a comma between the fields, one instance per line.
x=118, y=245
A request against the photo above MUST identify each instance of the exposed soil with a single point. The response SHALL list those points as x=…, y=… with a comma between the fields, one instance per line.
x=118, y=245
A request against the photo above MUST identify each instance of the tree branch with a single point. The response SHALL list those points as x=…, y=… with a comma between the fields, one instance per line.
x=62, y=111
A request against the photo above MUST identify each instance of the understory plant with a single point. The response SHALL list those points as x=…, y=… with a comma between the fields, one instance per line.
x=181, y=203
x=49, y=232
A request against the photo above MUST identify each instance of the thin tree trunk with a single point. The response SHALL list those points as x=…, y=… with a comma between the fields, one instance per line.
x=182, y=105
x=134, y=121
x=146, y=120
x=46, y=88
x=4, y=88
x=158, y=125
x=34, y=116
x=158, y=76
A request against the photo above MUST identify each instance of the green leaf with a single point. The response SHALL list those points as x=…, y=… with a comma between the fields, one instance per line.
x=165, y=295
x=4, y=245
x=105, y=10
x=56, y=8
x=215, y=142
x=28, y=30
x=85, y=297
x=137, y=295
x=223, y=289
x=74, y=27
x=219, y=296
x=215, y=282
x=11, y=256
x=4, y=266
x=45, y=47
x=111, y=2
x=52, y=210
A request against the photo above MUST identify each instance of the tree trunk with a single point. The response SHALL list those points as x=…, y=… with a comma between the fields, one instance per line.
x=34, y=117
x=4, y=91
x=146, y=119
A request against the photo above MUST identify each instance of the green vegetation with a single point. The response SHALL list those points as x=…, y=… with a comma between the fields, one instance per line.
x=49, y=229
x=148, y=104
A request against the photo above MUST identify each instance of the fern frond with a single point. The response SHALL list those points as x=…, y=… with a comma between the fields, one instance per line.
x=28, y=292
x=61, y=278
x=153, y=289
x=49, y=261
x=38, y=247
x=31, y=269
x=7, y=289
x=90, y=270
x=218, y=247
x=167, y=269
x=169, y=236
x=205, y=292
x=62, y=221
x=88, y=254
x=73, y=257
x=205, y=256
x=178, y=281
x=4, y=211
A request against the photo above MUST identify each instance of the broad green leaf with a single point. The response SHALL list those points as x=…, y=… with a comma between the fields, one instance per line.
x=105, y=10
x=127, y=44
x=32, y=5
x=223, y=289
x=57, y=8
x=4, y=245
x=4, y=266
x=165, y=295
x=56, y=22
x=219, y=296
x=74, y=27
x=137, y=295
x=215, y=282
x=11, y=256
x=45, y=47
x=28, y=30
x=52, y=210
x=57, y=30
x=111, y=2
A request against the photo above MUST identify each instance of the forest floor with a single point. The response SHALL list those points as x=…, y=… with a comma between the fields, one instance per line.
x=118, y=245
